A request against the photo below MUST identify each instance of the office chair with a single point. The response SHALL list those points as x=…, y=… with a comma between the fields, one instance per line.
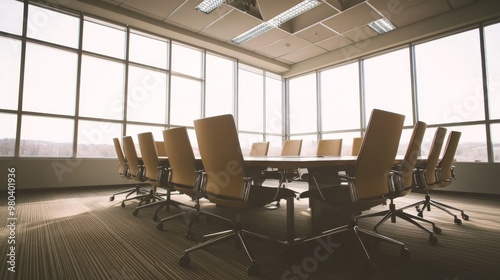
x=368, y=183
x=402, y=183
x=135, y=169
x=329, y=147
x=285, y=176
x=123, y=171
x=445, y=175
x=259, y=149
x=356, y=145
x=326, y=147
x=156, y=175
x=185, y=175
x=227, y=185
x=160, y=148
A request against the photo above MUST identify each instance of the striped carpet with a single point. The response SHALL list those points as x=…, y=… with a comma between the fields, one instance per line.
x=80, y=234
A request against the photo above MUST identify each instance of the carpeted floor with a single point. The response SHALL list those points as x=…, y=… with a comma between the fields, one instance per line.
x=80, y=234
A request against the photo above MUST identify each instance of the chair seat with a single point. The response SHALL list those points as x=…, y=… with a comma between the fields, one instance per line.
x=339, y=196
x=258, y=197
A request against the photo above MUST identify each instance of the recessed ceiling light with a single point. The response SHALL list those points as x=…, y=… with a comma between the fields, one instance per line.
x=277, y=20
x=207, y=6
x=381, y=26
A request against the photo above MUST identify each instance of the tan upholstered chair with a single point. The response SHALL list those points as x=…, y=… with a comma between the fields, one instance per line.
x=160, y=148
x=259, y=149
x=226, y=182
x=123, y=171
x=156, y=175
x=444, y=175
x=368, y=183
x=402, y=184
x=185, y=174
x=356, y=145
x=135, y=168
x=329, y=147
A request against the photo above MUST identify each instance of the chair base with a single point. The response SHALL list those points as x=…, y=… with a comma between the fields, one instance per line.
x=354, y=231
x=393, y=213
x=426, y=204
x=236, y=233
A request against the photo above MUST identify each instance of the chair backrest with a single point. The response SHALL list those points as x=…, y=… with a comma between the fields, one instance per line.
x=149, y=155
x=329, y=147
x=180, y=156
x=445, y=166
x=160, y=148
x=135, y=168
x=291, y=147
x=259, y=149
x=221, y=156
x=412, y=154
x=377, y=154
x=433, y=157
x=356, y=145
x=122, y=167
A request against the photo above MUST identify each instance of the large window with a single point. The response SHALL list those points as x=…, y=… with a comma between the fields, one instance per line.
x=11, y=16
x=449, y=79
x=387, y=83
x=103, y=38
x=250, y=99
x=8, y=134
x=186, y=86
x=303, y=104
x=102, y=98
x=10, y=59
x=219, y=85
x=339, y=88
x=46, y=137
x=492, y=49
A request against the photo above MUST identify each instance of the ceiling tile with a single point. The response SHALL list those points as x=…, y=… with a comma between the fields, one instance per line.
x=160, y=9
x=265, y=39
x=360, y=34
x=357, y=16
x=316, y=33
x=313, y=16
x=303, y=54
x=334, y=43
x=188, y=16
x=284, y=46
x=419, y=12
x=272, y=8
x=225, y=28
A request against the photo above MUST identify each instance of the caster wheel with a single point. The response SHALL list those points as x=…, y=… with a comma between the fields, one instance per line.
x=159, y=226
x=184, y=261
x=465, y=217
x=405, y=253
x=112, y=198
x=189, y=236
x=458, y=221
x=420, y=214
x=155, y=218
x=436, y=230
x=253, y=270
x=433, y=240
x=135, y=212
x=123, y=204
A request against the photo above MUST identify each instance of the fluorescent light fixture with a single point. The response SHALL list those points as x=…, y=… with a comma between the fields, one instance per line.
x=277, y=20
x=207, y=6
x=381, y=26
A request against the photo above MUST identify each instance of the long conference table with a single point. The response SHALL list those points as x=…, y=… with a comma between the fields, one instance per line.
x=325, y=170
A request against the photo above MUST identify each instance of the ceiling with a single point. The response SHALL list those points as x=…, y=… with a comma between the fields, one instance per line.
x=331, y=25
